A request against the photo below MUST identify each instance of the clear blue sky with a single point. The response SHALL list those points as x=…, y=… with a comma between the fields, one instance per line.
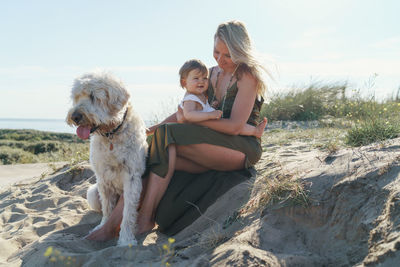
x=46, y=44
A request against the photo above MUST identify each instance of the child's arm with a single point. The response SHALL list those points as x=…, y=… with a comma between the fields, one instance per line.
x=191, y=114
x=256, y=131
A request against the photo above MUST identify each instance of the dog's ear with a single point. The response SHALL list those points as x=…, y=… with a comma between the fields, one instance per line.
x=117, y=96
x=118, y=100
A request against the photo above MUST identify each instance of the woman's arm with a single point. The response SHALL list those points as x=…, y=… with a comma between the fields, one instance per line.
x=241, y=109
x=171, y=118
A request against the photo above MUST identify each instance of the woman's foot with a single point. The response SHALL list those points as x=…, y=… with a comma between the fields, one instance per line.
x=260, y=128
x=144, y=226
x=102, y=234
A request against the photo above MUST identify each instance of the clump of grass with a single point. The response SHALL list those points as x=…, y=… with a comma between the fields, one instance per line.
x=311, y=103
x=284, y=188
x=276, y=187
x=212, y=239
x=369, y=132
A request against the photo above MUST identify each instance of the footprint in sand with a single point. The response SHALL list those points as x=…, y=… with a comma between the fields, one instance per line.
x=15, y=217
x=41, y=205
x=38, y=219
x=288, y=154
x=67, y=181
x=10, y=202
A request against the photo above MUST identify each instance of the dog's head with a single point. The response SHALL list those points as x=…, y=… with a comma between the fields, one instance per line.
x=99, y=102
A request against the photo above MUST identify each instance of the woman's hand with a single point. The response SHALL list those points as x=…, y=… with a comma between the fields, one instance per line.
x=179, y=116
x=171, y=118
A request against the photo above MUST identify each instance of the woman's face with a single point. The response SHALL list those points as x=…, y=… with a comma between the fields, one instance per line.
x=222, y=56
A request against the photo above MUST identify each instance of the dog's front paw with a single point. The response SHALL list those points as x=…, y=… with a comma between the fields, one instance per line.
x=126, y=242
x=126, y=237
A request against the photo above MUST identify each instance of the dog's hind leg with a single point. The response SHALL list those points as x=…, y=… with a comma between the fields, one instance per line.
x=108, y=198
x=132, y=189
x=93, y=198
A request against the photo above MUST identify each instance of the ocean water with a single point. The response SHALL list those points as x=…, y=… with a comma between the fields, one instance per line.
x=51, y=125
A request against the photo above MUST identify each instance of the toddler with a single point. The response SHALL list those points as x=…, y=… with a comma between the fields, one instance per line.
x=194, y=78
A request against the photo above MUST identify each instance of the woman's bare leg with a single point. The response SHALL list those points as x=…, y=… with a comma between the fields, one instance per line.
x=184, y=164
x=111, y=228
x=210, y=157
x=155, y=189
x=192, y=158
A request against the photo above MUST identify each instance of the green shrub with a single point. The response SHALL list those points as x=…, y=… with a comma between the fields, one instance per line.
x=310, y=103
x=35, y=147
x=28, y=146
x=43, y=147
x=15, y=155
x=371, y=131
x=35, y=135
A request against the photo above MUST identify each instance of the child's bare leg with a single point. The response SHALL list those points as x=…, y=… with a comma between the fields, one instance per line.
x=256, y=131
x=260, y=128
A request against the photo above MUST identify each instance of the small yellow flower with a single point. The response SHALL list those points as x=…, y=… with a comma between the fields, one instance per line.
x=165, y=246
x=167, y=264
x=386, y=122
x=130, y=245
x=53, y=259
x=49, y=251
x=171, y=240
x=385, y=109
x=398, y=104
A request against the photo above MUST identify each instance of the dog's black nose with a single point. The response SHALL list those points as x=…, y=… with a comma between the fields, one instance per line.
x=76, y=117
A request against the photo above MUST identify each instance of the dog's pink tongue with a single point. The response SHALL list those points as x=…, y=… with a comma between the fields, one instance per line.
x=83, y=132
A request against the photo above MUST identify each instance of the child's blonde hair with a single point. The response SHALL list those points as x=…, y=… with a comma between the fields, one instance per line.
x=188, y=66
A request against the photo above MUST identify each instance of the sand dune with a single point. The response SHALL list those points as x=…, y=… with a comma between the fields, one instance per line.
x=353, y=218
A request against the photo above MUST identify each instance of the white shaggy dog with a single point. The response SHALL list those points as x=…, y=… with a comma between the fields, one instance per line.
x=118, y=146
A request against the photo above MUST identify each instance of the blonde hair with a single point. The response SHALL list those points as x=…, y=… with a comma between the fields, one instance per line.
x=188, y=66
x=235, y=36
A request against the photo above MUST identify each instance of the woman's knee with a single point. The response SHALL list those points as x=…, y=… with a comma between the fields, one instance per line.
x=213, y=157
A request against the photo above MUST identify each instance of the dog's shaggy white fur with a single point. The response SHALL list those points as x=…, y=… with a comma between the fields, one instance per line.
x=118, y=146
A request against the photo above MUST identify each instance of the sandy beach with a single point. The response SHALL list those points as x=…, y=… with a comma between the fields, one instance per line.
x=352, y=217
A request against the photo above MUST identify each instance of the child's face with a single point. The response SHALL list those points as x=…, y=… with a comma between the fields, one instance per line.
x=196, y=82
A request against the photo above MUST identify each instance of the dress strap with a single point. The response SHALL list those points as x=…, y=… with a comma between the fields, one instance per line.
x=211, y=71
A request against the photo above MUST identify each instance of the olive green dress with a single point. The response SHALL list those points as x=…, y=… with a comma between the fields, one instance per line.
x=189, y=194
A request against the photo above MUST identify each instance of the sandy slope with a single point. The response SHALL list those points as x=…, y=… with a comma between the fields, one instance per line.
x=10, y=174
x=353, y=218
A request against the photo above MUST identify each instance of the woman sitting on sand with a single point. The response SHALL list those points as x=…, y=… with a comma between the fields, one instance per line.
x=237, y=84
